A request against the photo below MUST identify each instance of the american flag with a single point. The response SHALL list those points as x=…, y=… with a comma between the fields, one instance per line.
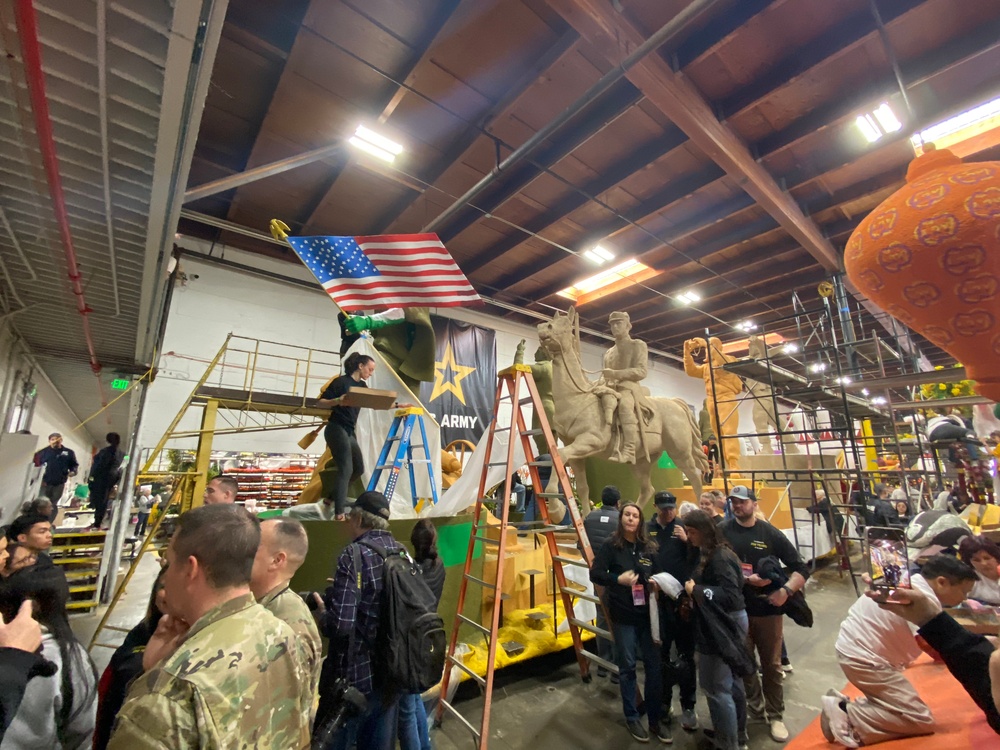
x=394, y=270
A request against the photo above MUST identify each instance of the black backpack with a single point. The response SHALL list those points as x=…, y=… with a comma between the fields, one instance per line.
x=410, y=647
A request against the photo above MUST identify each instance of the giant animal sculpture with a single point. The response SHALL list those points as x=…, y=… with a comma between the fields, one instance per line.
x=580, y=418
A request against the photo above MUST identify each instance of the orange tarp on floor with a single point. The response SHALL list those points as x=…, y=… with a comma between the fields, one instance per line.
x=960, y=723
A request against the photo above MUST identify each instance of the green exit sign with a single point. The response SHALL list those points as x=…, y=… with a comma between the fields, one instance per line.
x=120, y=384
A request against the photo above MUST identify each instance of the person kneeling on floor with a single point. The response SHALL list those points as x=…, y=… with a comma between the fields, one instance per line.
x=873, y=648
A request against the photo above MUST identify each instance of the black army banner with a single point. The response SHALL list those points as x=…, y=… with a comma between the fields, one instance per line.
x=465, y=375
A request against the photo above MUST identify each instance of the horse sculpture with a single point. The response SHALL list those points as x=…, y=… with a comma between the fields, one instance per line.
x=581, y=422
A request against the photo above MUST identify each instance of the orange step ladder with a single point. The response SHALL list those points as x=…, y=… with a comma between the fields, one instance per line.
x=516, y=387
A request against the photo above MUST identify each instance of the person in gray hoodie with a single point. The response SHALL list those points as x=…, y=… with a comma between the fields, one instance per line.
x=57, y=711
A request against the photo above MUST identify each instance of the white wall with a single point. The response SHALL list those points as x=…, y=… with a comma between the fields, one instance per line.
x=215, y=300
x=51, y=413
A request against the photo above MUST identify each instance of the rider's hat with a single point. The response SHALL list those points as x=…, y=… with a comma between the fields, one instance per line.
x=618, y=315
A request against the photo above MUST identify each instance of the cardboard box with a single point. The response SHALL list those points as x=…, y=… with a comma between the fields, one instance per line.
x=369, y=398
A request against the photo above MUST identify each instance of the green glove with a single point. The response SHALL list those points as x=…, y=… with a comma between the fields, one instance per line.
x=359, y=323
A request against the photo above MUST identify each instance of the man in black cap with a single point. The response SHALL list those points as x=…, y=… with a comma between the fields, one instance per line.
x=350, y=607
x=675, y=630
x=600, y=524
x=753, y=539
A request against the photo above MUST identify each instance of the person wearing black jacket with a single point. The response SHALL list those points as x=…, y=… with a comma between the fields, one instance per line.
x=624, y=565
x=971, y=658
x=60, y=464
x=600, y=524
x=716, y=586
x=339, y=431
x=676, y=626
x=752, y=540
x=125, y=666
x=104, y=474
x=879, y=511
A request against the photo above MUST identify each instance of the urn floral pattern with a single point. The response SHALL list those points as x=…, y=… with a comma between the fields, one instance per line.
x=928, y=256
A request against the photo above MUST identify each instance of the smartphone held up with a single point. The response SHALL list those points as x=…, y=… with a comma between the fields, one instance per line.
x=888, y=565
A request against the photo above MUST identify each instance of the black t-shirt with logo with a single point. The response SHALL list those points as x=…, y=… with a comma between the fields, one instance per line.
x=752, y=545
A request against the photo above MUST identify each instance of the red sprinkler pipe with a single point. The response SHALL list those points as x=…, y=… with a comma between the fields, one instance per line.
x=31, y=53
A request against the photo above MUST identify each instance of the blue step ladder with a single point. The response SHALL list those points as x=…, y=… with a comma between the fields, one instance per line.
x=401, y=432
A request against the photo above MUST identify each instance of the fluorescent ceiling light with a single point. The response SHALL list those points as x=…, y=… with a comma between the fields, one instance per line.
x=598, y=255
x=844, y=380
x=879, y=122
x=887, y=118
x=973, y=123
x=611, y=280
x=817, y=367
x=746, y=325
x=865, y=391
x=377, y=145
x=689, y=297
x=869, y=128
x=790, y=348
x=879, y=400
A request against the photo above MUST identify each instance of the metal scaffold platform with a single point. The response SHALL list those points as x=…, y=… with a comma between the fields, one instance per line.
x=250, y=385
x=856, y=393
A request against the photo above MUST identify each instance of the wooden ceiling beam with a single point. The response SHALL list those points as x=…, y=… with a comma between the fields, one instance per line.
x=735, y=236
x=759, y=310
x=385, y=105
x=469, y=136
x=764, y=289
x=714, y=288
x=919, y=72
x=719, y=30
x=960, y=52
x=646, y=154
x=667, y=283
x=607, y=108
x=849, y=33
x=679, y=100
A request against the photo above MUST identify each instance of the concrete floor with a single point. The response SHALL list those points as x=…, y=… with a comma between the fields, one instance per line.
x=543, y=703
x=127, y=613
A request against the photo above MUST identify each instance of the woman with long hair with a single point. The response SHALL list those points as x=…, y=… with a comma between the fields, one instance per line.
x=983, y=556
x=126, y=665
x=339, y=432
x=57, y=711
x=717, y=577
x=412, y=720
x=425, y=554
x=624, y=565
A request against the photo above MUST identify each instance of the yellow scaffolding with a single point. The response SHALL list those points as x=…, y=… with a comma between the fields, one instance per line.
x=250, y=385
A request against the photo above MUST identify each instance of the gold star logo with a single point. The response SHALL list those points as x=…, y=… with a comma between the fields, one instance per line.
x=458, y=373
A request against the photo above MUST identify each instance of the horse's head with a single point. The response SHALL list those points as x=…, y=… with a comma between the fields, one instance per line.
x=559, y=334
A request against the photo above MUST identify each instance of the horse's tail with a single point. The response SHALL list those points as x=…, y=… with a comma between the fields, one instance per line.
x=700, y=459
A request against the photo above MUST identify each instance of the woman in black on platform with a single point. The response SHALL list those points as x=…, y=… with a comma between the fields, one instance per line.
x=339, y=432
x=624, y=566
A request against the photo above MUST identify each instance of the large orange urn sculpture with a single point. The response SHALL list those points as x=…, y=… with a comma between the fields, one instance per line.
x=928, y=256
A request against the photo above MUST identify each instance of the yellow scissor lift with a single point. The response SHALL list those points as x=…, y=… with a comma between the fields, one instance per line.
x=251, y=385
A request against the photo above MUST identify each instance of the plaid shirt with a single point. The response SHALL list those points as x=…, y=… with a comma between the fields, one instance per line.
x=345, y=610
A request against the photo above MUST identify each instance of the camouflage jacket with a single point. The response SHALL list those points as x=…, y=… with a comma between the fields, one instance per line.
x=234, y=682
x=288, y=607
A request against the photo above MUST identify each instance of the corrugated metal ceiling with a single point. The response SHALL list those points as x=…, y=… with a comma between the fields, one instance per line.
x=106, y=67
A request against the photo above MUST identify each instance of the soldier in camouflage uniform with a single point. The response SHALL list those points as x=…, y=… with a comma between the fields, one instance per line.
x=232, y=678
x=283, y=548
